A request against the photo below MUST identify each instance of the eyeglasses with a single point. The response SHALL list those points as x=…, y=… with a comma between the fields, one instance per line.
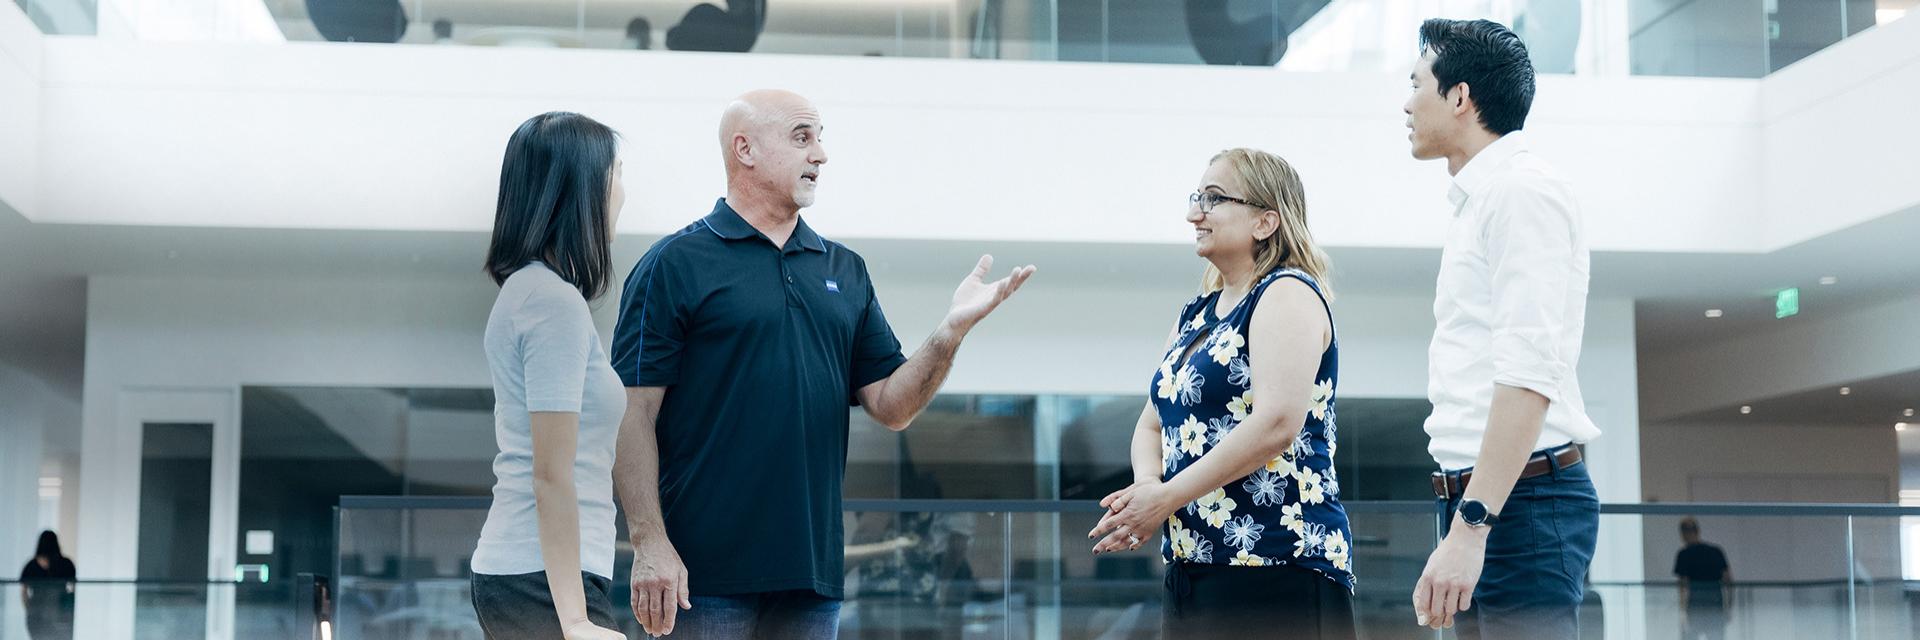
x=1208, y=200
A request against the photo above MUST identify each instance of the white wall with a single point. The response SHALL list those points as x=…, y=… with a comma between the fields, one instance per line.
x=23, y=423
x=1840, y=134
x=1673, y=452
x=1796, y=355
x=395, y=137
x=20, y=72
x=29, y=409
x=1774, y=463
x=386, y=137
x=216, y=334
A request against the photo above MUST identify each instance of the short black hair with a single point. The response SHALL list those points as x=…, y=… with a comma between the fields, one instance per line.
x=49, y=546
x=553, y=201
x=1489, y=59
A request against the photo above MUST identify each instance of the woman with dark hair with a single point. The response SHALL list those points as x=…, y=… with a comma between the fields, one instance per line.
x=46, y=591
x=544, y=563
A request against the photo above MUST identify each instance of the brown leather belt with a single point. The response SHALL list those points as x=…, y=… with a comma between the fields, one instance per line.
x=1450, y=485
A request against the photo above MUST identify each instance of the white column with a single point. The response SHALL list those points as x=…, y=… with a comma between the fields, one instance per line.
x=1609, y=379
x=22, y=426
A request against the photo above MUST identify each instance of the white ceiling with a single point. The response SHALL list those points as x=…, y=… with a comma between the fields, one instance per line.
x=1875, y=262
x=1879, y=402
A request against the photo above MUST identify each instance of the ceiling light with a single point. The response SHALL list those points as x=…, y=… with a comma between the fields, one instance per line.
x=1899, y=426
x=1714, y=313
x=1908, y=413
x=1829, y=280
x=1746, y=410
x=1846, y=391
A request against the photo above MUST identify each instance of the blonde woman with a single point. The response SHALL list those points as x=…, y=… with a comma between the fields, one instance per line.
x=1233, y=455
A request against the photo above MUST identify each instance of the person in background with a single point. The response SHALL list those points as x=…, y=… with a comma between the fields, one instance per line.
x=1706, y=585
x=46, y=591
x=639, y=34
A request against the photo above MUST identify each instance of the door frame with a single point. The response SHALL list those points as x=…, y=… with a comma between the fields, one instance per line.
x=219, y=407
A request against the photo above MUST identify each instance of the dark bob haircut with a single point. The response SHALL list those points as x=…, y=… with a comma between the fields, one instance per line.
x=553, y=201
x=49, y=546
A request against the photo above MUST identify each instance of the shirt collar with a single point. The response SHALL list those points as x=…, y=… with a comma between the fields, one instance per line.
x=727, y=223
x=1483, y=166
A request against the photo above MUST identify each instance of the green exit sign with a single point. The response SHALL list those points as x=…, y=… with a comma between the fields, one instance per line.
x=1786, y=303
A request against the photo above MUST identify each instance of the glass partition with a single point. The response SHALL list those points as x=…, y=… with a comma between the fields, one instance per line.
x=155, y=609
x=1716, y=38
x=65, y=17
x=1022, y=569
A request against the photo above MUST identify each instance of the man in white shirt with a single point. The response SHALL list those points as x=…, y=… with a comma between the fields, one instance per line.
x=1510, y=309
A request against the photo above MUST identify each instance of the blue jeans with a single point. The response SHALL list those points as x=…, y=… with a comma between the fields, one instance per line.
x=781, y=615
x=1537, y=555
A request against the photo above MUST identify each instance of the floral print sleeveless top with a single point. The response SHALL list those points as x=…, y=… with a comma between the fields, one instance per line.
x=1287, y=513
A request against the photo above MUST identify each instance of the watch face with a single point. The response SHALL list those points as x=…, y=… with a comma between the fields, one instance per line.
x=1473, y=511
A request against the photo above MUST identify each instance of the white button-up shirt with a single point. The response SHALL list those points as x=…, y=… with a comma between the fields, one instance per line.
x=1511, y=303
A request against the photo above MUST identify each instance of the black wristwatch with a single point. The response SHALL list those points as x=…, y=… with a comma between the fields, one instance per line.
x=1476, y=514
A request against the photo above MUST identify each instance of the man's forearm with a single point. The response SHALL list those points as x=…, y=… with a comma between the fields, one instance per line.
x=913, y=385
x=636, y=465
x=1513, y=426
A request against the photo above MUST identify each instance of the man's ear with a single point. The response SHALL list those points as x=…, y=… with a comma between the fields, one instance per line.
x=742, y=148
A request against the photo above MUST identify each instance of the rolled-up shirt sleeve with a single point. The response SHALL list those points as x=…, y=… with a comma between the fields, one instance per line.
x=1532, y=256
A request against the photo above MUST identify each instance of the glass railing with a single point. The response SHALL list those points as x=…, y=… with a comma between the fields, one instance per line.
x=64, y=17
x=1712, y=38
x=280, y=607
x=1022, y=569
x=1719, y=38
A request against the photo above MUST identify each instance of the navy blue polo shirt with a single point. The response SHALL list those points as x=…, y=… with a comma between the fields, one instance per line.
x=761, y=349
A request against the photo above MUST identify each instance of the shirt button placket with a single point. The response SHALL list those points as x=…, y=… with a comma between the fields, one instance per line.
x=793, y=294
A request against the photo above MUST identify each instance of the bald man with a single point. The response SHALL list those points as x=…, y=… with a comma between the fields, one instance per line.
x=742, y=340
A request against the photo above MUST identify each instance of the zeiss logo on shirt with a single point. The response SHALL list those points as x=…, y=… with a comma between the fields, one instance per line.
x=833, y=286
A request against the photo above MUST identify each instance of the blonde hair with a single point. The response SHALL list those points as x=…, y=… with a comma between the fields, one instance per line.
x=1272, y=183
